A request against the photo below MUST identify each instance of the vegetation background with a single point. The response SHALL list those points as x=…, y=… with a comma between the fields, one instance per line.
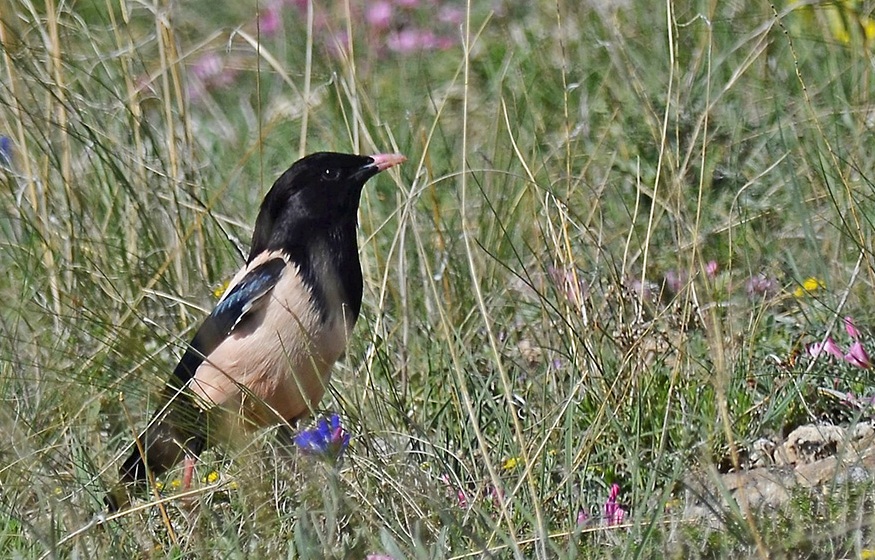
x=621, y=227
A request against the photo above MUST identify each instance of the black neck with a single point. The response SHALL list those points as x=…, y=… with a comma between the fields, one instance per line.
x=325, y=256
x=349, y=267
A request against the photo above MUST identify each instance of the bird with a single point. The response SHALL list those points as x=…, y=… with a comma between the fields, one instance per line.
x=264, y=354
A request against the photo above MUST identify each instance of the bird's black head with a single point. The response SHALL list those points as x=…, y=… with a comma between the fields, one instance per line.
x=317, y=194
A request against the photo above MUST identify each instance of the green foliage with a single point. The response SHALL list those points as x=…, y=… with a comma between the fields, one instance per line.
x=542, y=317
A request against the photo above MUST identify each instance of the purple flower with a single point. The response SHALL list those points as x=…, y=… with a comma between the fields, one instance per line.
x=374, y=556
x=761, y=286
x=614, y=513
x=857, y=356
x=327, y=440
x=829, y=346
x=582, y=517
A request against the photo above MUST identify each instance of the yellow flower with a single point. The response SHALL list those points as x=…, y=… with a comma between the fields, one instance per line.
x=809, y=286
x=175, y=483
x=843, y=15
x=867, y=554
x=845, y=19
x=868, y=28
x=211, y=477
x=159, y=485
x=220, y=289
x=510, y=464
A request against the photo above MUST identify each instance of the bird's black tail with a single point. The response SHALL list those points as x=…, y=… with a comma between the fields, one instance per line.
x=172, y=434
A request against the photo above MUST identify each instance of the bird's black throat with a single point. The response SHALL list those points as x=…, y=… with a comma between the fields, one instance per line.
x=328, y=264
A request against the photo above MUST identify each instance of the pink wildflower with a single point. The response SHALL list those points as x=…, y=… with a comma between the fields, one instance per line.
x=857, y=356
x=207, y=66
x=443, y=43
x=213, y=71
x=337, y=43
x=270, y=19
x=582, y=517
x=711, y=269
x=460, y=494
x=453, y=15
x=462, y=498
x=379, y=14
x=642, y=289
x=496, y=494
x=614, y=513
x=675, y=280
x=851, y=328
x=572, y=287
x=829, y=346
x=410, y=40
x=761, y=286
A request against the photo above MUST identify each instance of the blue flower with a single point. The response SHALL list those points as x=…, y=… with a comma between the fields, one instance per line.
x=327, y=440
x=5, y=151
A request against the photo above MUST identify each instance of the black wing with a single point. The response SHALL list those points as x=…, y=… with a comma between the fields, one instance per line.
x=241, y=300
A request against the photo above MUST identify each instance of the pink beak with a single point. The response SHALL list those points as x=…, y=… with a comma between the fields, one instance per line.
x=385, y=161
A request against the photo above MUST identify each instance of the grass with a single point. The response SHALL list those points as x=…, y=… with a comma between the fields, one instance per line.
x=541, y=319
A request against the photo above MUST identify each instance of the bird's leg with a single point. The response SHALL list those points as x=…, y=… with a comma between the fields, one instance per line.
x=188, y=471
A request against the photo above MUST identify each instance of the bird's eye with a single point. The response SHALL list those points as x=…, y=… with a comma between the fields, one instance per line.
x=330, y=174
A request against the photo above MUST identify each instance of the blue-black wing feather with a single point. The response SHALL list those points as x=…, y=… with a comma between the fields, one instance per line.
x=241, y=300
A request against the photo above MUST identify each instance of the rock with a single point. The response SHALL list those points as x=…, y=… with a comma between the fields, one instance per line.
x=762, y=453
x=809, y=443
x=813, y=457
